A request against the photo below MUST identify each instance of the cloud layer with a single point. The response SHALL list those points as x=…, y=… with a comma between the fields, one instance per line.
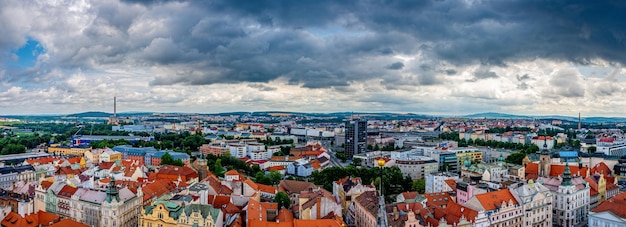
x=446, y=56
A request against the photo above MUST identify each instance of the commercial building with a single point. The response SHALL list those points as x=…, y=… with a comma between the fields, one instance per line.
x=436, y=182
x=501, y=207
x=571, y=198
x=356, y=137
x=167, y=213
x=536, y=202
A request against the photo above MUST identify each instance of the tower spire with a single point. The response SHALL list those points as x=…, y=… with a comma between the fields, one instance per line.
x=567, y=176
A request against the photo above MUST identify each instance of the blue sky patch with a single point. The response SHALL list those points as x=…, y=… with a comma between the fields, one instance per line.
x=26, y=55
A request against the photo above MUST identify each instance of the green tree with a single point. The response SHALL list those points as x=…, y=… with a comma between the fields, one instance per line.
x=13, y=149
x=282, y=199
x=592, y=149
x=167, y=159
x=262, y=179
x=218, y=169
x=515, y=158
x=419, y=185
x=342, y=156
x=275, y=177
x=357, y=161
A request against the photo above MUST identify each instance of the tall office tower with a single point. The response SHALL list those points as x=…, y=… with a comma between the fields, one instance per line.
x=356, y=137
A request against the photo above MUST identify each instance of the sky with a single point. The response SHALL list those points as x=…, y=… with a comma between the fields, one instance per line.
x=207, y=56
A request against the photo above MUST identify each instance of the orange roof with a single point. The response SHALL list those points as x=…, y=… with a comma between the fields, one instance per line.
x=318, y=223
x=41, y=161
x=156, y=189
x=558, y=169
x=170, y=170
x=106, y=165
x=31, y=220
x=73, y=160
x=451, y=183
x=46, y=184
x=316, y=164
x=409, y=195
x=601, y=168
x=68, y=223
x=532, y=168
x=593, y=192
x=592, y=183
x=252, y=184
x=615, y=205
x=610, y=186
x=609, y=179
x=439, y=199
x=266, y=188
x=282, y=158
x=276, y=168
x=67, y=191
x=454, y=211
x=493, y=200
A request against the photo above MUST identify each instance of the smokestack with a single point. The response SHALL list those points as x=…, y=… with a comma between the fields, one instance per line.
x=579, y=125
x=115, y=107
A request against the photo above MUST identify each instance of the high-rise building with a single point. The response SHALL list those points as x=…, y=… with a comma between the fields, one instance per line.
x=356, y=137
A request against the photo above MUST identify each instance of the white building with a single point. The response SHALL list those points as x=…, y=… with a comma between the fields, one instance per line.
x=571, y=198
x=537, y=203
x=414, y=165
x=435, y=182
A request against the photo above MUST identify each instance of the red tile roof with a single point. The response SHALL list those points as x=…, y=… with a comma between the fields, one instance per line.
x=558, y=169
x=67, y=192
x=46, y=184
x=451, y=183
x=31, y=220
x=493, y=200
x=615, y=205
x=409, y=195
x=439, y=199
x=106, y=165
x=68, y=223
x=266, y=188
x=601, y=168
x=157, y=188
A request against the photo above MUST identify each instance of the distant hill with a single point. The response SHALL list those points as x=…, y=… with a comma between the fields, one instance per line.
x=492, y=115
x=90, y=114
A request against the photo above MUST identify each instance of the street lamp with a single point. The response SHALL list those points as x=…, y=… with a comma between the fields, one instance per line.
x=381, y=164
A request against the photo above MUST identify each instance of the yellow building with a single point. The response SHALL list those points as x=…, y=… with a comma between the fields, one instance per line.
x=473, y=155
x=166, y=213
x=65, y=150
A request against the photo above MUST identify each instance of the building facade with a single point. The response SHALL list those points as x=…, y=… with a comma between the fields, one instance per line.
x=537, y=204
x=356, y=137
x=571, y=198
x=166, y=213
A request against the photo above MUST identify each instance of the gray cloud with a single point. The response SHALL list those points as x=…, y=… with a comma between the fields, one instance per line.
x=566, y=83
x=395, y=66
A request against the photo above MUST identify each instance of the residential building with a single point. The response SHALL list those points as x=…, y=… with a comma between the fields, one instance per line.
x=347, y=189
x=11, y=174
x=113, y=207
x=156, y=157
x=40, y=218
x=109, y=155
x=501, y=207
x=417, y=167
x=167, y=213
x=536, y=202
x=300, y=168
x=356, y=137
x=436, y=182
x=317, y=204
x=67, y=150
x=366, y=209
x=293, y=189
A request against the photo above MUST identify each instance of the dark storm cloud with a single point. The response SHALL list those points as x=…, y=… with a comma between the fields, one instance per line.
x=330, y=43
x=483, y=73
x=395, y=66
